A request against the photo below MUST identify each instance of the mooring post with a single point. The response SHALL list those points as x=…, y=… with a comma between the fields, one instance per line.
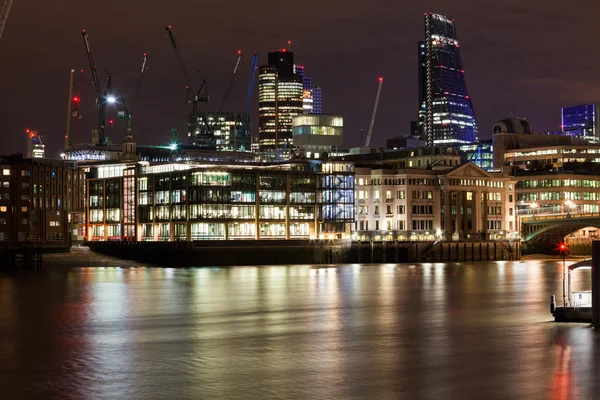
x=596, y=283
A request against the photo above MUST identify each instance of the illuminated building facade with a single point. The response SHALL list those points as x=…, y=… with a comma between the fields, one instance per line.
x=317, y=94
x=582, y=122
x=480, y=153
x=231, y=131
x=423, y=157
x=315, y=134
x=216, y=201
x=312, y=101
x=40, y=199
x=280, y=98
x=460, y=203
x=449, y=115
x=35, y=145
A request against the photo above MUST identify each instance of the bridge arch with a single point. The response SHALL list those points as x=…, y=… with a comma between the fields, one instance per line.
x=555, y=231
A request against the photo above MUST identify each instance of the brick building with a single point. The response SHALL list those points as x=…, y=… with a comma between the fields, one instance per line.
x=40, y=201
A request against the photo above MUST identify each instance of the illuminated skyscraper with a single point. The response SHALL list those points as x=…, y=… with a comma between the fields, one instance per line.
x=280, y=92
x=582, y=122
x=311, y=95
x=317, y=96
x=449, y=115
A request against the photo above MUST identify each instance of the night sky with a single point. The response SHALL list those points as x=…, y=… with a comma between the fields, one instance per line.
x=528, y=57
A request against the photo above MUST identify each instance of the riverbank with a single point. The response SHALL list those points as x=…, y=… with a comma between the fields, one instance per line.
x=546, y=257
x=82, y=256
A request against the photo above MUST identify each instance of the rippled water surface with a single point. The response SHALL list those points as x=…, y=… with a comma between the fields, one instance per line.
x=423, y=331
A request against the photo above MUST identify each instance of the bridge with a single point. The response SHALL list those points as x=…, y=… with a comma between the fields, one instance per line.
x=554, y=227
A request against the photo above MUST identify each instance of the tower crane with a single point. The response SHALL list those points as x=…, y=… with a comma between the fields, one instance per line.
x=101, y=95
x=251, y=88
x=126, y=112
x=368, y=140
x=235, y=69
x=4, y=14
x=200, y=97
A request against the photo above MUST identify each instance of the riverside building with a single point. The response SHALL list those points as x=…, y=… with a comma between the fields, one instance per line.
x=140, y=201
x=460, y=203
x=40, y=201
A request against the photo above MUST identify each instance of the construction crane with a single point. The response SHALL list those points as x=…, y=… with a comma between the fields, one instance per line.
x=69, y=111
x=250, y=89
x=201, y=95
x=370, y=133
x=235, y=69
x=102, y=97
x=126, y=112
x=4, y=14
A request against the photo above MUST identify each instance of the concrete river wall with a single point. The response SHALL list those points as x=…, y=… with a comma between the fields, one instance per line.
x=282, y=252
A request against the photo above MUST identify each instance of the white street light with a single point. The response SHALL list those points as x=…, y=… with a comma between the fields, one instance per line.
x=111, y=99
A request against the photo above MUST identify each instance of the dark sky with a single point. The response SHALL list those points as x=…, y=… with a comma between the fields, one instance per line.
x=528, y=57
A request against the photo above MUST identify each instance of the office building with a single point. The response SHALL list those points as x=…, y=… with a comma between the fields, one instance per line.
x=460, y=203
x=219, y=201
x=317, y=94
x=280, y=98
x=312, y=102
x=404, y=142
x=316, y=134
x=513, y=137
x=449, y=115
x=434, y=158
x=307, y=94
x=582, y=122
x=35, y=145
x=230, y=130
x=480, y=153
x=40, y=199
x=418, y=127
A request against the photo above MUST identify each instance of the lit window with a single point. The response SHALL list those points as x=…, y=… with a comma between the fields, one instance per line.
x=23, y=209
x=2, y=208
x=6, y=172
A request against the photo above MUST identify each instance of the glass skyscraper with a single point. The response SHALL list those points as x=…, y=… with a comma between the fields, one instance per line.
x=311, y=95
x=280, y=92
x=582, y=122
x=446, y=113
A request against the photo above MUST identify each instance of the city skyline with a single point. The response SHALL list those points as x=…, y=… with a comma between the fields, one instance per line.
x=503, y=65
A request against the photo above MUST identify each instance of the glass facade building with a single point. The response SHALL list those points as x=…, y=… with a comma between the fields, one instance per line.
x=280, y=98
x=317, y=134
x=480, y=154
x=231, y=131
x=449, y=115
x=317, y=95
x=311, y=95
x=211, y=201
x=582, y=122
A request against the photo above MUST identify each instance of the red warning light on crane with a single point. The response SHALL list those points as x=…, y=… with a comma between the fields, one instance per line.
x=381, y=79
x=239, y=52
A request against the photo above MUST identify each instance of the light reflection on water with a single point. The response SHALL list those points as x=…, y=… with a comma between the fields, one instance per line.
x=421, y=331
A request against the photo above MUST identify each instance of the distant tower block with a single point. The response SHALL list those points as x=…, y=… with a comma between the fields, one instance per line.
x=35, y=145
x=446, y=109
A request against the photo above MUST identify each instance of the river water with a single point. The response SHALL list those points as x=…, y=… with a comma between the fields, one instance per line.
x=421, y=331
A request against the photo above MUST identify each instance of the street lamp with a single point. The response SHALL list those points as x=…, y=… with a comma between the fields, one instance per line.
x=534, y=207
x=569, y=206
